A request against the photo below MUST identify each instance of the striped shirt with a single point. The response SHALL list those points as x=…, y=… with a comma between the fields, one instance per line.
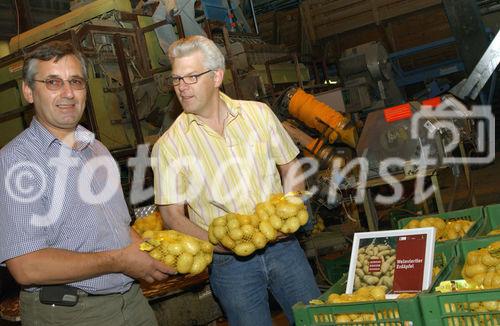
x=195, y=165
x=52, y=196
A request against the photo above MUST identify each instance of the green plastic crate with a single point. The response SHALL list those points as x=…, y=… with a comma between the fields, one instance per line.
x=470, y=214
x=460, y=308
x=335, y=268
x=390, y=312
x=444, y=254
x=491, y=219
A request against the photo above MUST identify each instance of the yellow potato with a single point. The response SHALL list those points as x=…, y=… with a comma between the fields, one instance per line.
x=285, y=210
x=175, y=248
x=219, y=221
x=149, y=234
x=244, y=219
x=293, y=224
x=260, y=210
x=184, y=262
x=266, y=228
x=198, y=265
x=190, y=245
x=169, y=260
x=259, y=240
x=207, y=247
x=233, y=224
x=248, y=231
x=219, y=232
x=303, y=216
x=208, y=258
x=254, y=220
x=269, y=208
x=211, y=237
x=235, y=234
x=227, y=242
x=156, y=253
x=276, y=222
x=414, y=224
x=244, y=249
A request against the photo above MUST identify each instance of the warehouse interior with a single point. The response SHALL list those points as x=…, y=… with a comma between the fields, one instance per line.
x=383, y=68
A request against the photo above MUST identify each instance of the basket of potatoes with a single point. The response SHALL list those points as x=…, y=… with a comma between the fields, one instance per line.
x=482, y=267
x=244, y=234
x=450, y=225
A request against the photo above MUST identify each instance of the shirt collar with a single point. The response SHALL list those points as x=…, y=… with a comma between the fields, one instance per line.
x=83, y=137
x=233, y=106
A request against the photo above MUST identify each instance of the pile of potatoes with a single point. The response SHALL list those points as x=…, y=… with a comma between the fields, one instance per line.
x=319, y=226
x=494, y=232
x=188, y=255
x=243, y=234
x=151, y=222
x=482, y=267
x=485, y=309
x=445, y=230
x=383, y=277
x=367, y=293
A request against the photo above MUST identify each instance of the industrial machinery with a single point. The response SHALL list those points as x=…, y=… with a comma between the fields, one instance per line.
x=367, y=76
x=129, y=102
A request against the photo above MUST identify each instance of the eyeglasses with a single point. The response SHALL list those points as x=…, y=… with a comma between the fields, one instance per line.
x=55, y=83
x=191, y=79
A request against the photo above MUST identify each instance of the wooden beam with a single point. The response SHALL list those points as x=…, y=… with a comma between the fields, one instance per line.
x=362, y=15
x=307, y=21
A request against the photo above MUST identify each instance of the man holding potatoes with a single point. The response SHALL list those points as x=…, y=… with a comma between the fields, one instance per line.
x=222, y=153
x=65, y=235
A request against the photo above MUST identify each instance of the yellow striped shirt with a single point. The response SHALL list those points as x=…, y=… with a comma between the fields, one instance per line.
x=195, y=165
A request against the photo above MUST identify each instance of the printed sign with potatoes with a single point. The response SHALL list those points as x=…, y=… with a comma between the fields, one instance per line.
x=397, y=260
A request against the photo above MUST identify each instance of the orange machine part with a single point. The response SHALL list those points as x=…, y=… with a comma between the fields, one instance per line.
x=309, y=110
x=313, y=146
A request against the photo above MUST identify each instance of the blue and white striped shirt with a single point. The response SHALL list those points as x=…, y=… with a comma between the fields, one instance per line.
x=52, y=196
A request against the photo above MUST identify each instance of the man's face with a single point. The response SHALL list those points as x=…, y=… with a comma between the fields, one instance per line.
x=196, y=98
x=57, y=110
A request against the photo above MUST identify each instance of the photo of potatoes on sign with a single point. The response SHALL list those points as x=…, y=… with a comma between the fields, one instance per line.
x=375, y=264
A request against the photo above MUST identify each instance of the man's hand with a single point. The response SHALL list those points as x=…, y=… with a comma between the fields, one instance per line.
x=221, y=249
x=139, y=265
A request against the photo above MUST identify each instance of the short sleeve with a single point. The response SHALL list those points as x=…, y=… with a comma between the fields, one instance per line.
x=22, y=199
x=283, y=149
x=170, y=184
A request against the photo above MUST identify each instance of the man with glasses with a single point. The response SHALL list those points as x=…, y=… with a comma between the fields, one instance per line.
x=235, y=153
x=65, y=231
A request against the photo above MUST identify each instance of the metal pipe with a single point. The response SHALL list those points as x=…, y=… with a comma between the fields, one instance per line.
x=490, y=9
x=129, y=92
x=230, y=63
x=254, y=18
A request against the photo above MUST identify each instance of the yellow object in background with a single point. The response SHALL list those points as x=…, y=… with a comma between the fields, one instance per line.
x=481, y=268
x=4, y=49
x=445, y=230
x=151, y=222
x=494, y=232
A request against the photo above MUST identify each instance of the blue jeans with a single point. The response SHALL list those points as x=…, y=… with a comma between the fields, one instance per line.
x=241, y=284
